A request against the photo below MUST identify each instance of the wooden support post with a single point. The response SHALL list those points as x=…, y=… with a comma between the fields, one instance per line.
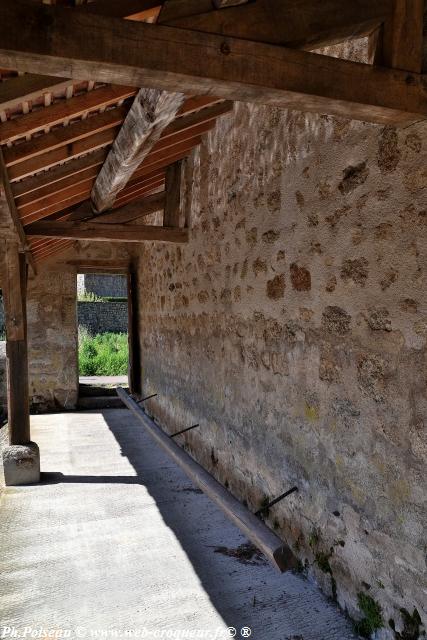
x=14, y=281
x=400, y=45
x=135, y=383
x=172, y=211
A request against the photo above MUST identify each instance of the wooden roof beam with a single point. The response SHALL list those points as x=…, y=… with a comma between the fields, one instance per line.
x=305, y=24
x=150, y=114
x=54, y=40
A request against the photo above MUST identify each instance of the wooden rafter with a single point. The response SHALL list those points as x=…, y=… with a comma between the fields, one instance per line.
x=175, y=59
x=28, y=87
x=67, y=109
x=64, y=136
x=150, y=114
x=95, y=132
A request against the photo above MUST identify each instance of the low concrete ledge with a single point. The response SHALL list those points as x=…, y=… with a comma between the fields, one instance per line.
x=21, y=464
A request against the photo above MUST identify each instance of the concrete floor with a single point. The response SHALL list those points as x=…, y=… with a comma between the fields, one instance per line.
x=116, y=539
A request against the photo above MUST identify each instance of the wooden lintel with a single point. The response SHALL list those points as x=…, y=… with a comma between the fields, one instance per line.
x=60, y=42
x=100, y=266
x=106, y=232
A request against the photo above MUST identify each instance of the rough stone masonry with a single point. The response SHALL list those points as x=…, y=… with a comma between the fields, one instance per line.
x=293, y=328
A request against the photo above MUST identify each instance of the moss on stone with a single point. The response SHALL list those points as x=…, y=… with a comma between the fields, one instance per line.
x=373, y=616
x=322, y=561
x=314, y=538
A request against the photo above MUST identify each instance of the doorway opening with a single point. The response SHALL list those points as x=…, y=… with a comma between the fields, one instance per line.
x=103, y=338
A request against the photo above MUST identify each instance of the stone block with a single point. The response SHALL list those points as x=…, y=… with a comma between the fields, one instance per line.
x=21, y=464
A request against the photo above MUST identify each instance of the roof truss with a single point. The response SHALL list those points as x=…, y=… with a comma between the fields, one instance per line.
x=57, y=129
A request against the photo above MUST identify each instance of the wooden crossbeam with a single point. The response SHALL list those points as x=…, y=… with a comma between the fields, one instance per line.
x=57, y=41
x=151, y=112
x=132, y=211
x=306, y=24
x=106, y=232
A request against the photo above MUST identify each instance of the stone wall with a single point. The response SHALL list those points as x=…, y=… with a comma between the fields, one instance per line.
x=52, y=339
x=102, y=285
x=101, y=317
x=293, y=328
x=52, y=325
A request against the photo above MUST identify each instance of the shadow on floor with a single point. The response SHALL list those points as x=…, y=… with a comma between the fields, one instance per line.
x=244, y=589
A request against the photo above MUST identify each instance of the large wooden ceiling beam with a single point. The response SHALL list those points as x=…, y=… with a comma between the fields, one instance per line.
x=131, y=9
x=305, y=24
x=151, y=112
x=106, y=232
x=60, y=42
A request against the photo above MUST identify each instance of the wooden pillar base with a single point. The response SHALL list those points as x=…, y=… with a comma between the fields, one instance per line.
x=21, y=464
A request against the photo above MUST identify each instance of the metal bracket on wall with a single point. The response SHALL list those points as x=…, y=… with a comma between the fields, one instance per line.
x=178, y=433
x=146, y=398
x=275, y=501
